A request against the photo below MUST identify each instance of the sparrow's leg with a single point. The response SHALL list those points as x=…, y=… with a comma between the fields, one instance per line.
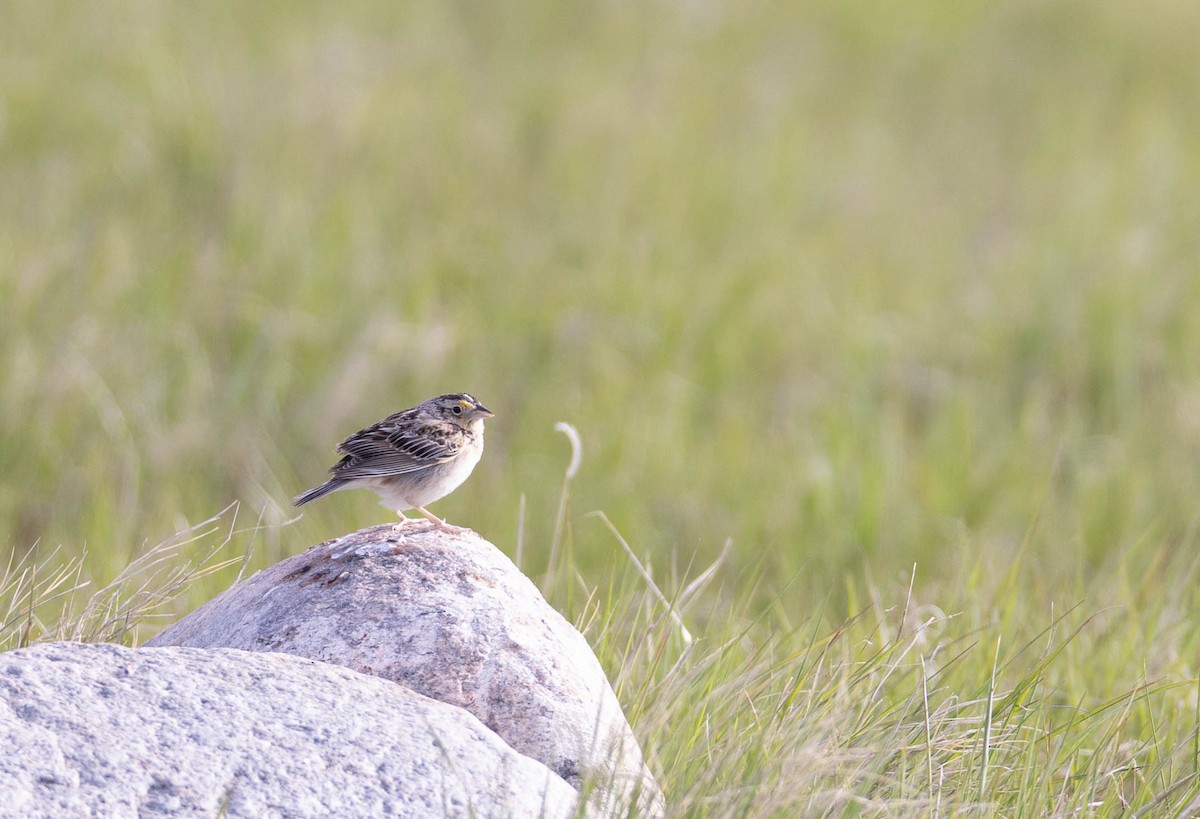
x=438, y=523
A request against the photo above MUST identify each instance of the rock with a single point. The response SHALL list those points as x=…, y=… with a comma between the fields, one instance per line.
x=452, y=618
x=102, y=730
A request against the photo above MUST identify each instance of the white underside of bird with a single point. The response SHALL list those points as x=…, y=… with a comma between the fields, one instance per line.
x=440, y=483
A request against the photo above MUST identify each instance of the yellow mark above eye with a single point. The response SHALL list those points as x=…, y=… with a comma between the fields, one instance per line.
x=465, y=404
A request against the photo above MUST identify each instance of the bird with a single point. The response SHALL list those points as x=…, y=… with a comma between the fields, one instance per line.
x=413, y=457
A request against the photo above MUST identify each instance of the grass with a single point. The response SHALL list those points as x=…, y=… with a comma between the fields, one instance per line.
x=879, y=329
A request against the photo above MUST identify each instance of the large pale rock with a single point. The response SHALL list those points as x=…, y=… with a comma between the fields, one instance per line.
x=101, y=730
x=450, y=617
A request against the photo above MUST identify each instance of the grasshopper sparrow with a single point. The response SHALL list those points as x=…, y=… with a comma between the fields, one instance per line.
x=412, y=458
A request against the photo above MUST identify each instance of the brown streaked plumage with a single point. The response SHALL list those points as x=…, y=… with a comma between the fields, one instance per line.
x=412, y=458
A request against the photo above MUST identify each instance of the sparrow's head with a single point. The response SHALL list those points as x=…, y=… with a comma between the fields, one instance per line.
x=459, y=408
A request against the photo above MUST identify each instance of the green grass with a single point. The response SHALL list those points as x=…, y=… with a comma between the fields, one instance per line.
x=902, y=304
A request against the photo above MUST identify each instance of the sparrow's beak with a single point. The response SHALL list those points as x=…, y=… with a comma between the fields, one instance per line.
x=483, y=411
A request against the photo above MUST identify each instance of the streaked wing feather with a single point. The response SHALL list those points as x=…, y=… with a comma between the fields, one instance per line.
x=379, y=467
x=425, y=449
x=390, y=448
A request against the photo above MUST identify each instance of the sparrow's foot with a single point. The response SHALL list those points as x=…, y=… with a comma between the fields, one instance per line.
x=438, y=523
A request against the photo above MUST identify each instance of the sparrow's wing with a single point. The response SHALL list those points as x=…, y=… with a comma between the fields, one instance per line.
x=398, y=448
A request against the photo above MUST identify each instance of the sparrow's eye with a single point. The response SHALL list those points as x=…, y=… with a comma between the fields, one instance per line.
x=456, y=409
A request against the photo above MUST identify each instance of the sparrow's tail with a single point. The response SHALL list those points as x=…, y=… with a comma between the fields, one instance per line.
x=317, y=492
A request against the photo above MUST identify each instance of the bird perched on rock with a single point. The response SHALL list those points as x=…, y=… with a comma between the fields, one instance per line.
x=412, y=458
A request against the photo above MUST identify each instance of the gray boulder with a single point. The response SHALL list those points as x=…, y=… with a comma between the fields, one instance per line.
x=450, y=617
x=101, y=730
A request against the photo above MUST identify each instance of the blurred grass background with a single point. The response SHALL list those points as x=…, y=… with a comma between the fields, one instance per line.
x=860, y=288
